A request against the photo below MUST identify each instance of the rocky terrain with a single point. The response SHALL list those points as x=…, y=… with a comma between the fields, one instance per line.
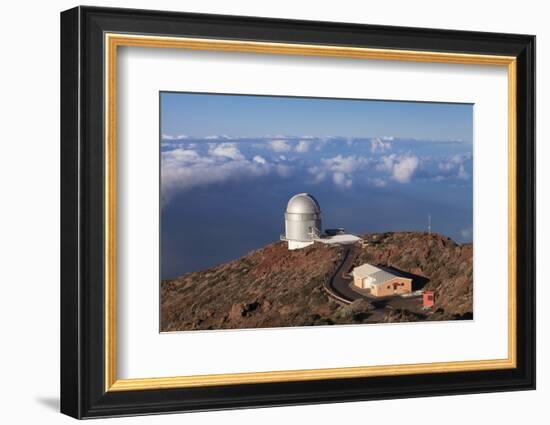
x=275, y=287
x=445, y=266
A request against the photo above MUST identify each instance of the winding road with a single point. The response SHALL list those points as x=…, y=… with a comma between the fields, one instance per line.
x=338, y=286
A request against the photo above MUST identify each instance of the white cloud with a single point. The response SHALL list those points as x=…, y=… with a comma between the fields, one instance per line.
x=341, y=179
x=461, y=158
x=318, y=173
x=378, y=145
x=341, y=167
x=283, y=170
x=279, y=145
x=183, y=169
x=345, y=164
x=227, y=150
x=386, y=163
x=180, y=155
x=462, y=174
x=322, y=142
x=401, y=168
x=377, y=182
x=174, y=137
x=303, y=146
x=404, y=169
x=259, y=159
x=455, y=160
x=445, y=166
x=454, y=166
x=220, y=136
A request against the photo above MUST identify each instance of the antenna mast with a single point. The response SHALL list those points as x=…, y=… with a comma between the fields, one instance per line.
x=429, y=224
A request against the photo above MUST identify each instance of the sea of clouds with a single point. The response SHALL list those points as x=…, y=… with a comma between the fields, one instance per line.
x=188, y=162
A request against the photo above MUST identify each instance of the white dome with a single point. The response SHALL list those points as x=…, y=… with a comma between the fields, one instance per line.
x=303, y=203
x=302, y=221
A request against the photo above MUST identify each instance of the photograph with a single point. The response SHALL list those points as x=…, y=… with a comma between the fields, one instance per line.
x=279, y=211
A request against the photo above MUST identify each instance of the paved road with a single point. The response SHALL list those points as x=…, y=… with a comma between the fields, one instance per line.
x=339, y=286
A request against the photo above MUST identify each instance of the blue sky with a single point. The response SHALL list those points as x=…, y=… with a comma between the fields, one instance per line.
x=229, y=164
x=202, y=115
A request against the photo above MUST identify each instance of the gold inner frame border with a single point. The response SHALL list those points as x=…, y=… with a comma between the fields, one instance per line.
x=111, y=43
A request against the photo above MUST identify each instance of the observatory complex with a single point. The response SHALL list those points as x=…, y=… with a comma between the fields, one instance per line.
x=303, y=225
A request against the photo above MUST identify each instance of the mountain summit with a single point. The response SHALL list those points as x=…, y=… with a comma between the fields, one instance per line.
x=275, y=287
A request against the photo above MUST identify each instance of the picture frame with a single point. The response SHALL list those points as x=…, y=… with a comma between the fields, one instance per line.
x=90, y=40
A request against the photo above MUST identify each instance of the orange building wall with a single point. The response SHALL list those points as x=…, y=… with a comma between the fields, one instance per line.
x=357, y=281
x=388, y=288
x=428, y=299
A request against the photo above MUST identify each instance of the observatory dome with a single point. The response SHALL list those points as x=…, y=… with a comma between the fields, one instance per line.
x=303, y=203
x=302, y=221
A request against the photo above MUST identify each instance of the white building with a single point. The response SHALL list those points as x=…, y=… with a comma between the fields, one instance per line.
x=380, y=282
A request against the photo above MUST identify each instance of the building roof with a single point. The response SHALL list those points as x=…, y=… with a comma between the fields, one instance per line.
x=365, y=270
x=341, y=239
x=380, y=275
x=303, y=203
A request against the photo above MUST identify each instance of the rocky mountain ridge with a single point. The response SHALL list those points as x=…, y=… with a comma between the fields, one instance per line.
x=275, y=287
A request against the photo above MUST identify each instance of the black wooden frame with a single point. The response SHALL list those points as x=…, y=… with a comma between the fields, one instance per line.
x=82, y=218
